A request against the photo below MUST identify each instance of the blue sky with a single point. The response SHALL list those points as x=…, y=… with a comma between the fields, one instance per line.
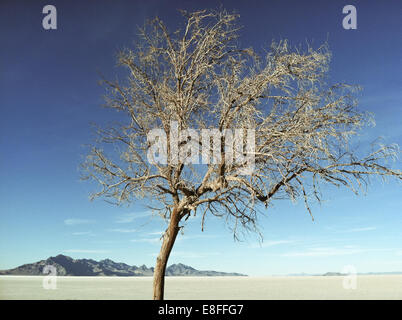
x=49, y=96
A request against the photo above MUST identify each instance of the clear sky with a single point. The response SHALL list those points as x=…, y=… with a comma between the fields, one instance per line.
x=49, y=96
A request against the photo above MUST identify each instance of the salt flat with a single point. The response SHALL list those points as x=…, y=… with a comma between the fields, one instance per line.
x=200, y=288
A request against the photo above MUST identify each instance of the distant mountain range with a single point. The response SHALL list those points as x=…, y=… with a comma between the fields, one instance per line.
x=67, y=266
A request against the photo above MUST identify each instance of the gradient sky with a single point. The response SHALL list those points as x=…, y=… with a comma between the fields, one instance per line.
x=49, y=96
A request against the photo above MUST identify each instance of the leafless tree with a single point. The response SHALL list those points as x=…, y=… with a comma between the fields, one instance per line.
x=200, y=78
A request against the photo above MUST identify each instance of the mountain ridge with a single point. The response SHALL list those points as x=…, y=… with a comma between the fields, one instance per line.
x=67, y=266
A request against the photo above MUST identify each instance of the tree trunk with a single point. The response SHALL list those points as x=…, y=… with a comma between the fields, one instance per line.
x=161, y=262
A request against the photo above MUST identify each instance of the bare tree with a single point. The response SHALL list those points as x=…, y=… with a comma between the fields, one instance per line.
x=198, y=77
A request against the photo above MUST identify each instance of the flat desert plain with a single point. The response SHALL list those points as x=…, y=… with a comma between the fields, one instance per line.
x=204, y=288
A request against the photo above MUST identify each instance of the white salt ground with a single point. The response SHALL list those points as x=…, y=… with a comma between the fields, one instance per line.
x=200, y=288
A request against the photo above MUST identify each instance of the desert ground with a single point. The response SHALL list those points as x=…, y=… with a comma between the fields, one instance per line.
x=200, y=288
